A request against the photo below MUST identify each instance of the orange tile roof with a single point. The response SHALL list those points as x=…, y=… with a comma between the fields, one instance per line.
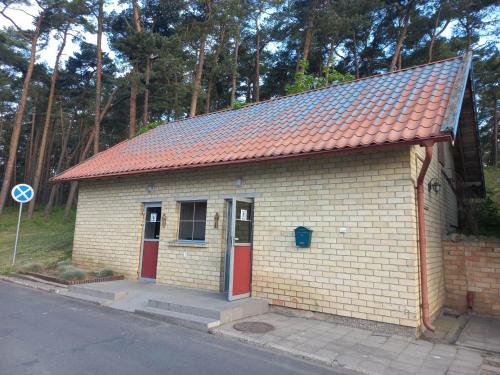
x=405, y=106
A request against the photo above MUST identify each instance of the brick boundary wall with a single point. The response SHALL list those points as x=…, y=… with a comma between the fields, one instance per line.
x=472, y=264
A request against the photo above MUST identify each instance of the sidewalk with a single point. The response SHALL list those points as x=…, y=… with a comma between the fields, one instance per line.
x=364, y=351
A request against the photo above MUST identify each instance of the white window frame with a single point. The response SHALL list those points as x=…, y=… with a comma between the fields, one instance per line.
x=181, y=240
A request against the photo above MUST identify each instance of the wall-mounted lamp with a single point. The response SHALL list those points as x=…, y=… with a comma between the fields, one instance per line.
x=238, y=182
x=434, y=185
x=150, y=188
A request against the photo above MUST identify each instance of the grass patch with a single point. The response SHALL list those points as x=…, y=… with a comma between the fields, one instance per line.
x=43, y=241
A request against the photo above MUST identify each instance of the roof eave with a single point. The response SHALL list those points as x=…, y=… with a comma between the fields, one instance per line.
x=452, y=115
x=445, y=137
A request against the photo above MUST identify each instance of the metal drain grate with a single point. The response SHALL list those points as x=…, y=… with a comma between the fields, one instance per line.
x=253, y=327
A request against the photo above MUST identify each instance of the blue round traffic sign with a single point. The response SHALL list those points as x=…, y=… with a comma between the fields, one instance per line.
x=22, y=193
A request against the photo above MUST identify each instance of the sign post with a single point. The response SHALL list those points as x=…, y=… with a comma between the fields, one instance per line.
x=21, y=193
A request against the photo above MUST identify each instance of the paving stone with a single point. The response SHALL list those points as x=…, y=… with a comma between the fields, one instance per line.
x=375, y=341
x=349, y=359
x=395, y=371
x=285, y=344
x=490, y=370
x=444, y=350
x=409, y=368
x=462, y=372
x=330, y=354
x=364, y=350
x=371, y=367
x=430, y=371
x=410, y=358
x=459, y=363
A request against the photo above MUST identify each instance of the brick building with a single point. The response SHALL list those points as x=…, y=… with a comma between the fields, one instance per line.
x=213, y=201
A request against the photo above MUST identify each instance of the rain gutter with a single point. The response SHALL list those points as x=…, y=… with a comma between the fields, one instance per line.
x=422, y=241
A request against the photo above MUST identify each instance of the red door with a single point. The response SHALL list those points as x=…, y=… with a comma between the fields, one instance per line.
x=149, y=259
x=240, y=266
x=242, y=269
x=151, y=242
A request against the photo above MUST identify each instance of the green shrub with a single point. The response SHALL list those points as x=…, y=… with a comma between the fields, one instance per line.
x=63, y=265
x=105, y=272
x=31, y=267
x=71, y=273
x=65, y=262
x=482, y=218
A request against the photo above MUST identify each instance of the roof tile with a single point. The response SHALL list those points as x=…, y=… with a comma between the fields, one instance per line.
x=403, y=106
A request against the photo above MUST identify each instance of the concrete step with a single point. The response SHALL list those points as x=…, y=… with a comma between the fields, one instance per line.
x=181, y=319
x=86, y=298
x=92, y=292
x=226, y=312
x=184, y=309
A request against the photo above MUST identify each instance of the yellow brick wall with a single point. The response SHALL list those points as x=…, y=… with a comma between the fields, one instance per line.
x=441, y=216
x=369, y=272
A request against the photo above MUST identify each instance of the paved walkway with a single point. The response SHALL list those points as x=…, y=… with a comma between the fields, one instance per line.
x=363, y=350
x=482, y=333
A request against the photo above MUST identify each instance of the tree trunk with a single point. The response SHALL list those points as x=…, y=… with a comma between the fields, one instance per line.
x=435, y=34
x=133, y=103
x=134, y=77
x=401, y=39
x=1, y=139
x=46, y=126
x=145, y=113
x=44, y=187
x=494, y=146
x=329, y=63
x=97, y=123
x=62, y=156
x=248, y=95
x=137, y=16
x=307, y=43
x=355, y=53
x=16, y=131
x=74, y=184
x=198, y=75
x=29, y=149
x=83, y=155
x=256, y=82
x=215, y=60
x=234, y=68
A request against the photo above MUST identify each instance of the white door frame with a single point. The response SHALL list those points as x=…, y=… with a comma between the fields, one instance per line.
x=231, y=241
x=144, y=218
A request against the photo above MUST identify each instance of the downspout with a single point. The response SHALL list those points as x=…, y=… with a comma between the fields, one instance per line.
x=422, y=244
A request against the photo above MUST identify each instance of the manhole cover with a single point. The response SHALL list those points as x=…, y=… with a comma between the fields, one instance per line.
x=253, y=327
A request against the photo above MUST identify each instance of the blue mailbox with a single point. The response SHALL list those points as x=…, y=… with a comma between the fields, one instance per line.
x=303, y=237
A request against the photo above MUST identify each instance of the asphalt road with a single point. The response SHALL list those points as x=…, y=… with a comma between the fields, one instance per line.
x=42, y=333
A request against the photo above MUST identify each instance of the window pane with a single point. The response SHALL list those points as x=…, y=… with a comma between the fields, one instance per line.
x=199, y=231
x=200, y=211
x=186, y=230
x=149, y=231
x=243, y=211
x=243, y=222
x=243, y=231
x=187, y=210
x=153, y=214
x=152, y=224
x=192, y=221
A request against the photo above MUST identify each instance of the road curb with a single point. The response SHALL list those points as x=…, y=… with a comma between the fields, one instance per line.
x=291, y=353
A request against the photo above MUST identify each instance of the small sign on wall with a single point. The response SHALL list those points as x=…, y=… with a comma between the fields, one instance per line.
x=243, y=215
